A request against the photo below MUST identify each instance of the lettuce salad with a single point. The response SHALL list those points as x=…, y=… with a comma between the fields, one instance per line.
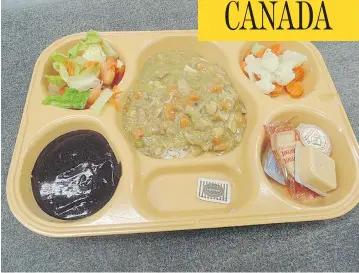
x=87, y=76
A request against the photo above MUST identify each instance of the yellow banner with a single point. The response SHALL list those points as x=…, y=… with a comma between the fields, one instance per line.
x=281, y=20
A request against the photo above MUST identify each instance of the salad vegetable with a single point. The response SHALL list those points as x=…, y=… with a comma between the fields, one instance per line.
x=71, y=99
x=101, y=101
x=83, y=75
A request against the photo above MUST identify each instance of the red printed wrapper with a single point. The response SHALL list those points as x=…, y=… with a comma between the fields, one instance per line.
x=282, y=138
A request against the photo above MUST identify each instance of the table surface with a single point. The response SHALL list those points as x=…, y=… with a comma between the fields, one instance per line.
x=27, y=29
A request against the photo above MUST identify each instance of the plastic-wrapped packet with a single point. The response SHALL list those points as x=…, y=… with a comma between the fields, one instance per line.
x=282, y=138
x=272, y=169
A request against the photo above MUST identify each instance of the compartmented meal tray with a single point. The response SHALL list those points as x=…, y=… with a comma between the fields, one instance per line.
x=159, y=195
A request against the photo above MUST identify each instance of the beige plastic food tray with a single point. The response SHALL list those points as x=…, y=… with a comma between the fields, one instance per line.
x=159, y=195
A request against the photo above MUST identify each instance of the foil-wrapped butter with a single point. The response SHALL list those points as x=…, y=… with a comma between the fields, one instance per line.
x=313, y=136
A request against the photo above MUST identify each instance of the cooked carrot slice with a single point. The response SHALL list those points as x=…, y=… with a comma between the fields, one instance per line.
x=217, y=140
x=184, y=121
x=215, y=118
x=193, y=97
x=223, y=106
x=243, y=66
x=115, y=103
x=170, y=111
x=249, y=52
x=277, y=90
x=170, y=115
x=276, y=49
x=201, y=67
x=299, y=73
x=257, y=77
x=273, y=94
x=170, y=107
x=295, y=89
x=218, y=88
x=138, y=133
x=260, y=53
x=138, y=95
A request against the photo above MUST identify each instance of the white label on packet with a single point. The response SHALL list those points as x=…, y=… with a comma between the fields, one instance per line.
x=214, y=190
x=272, y=169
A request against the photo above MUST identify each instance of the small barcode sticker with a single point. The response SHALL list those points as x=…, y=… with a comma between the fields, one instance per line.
x=214, y=190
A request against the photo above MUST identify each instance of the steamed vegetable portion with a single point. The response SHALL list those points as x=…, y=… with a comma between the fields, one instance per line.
x=87, y=76
x=181, y=104
x=274, y=70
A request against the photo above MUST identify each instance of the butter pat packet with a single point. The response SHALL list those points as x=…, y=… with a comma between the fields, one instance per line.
x=216, y=191
x=272, y=169
x=313, y=136
x=315, y=170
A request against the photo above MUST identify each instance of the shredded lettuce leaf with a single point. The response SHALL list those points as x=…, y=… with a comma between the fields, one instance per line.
x=101, y=101
x=79, y=60
x=57, y=57
x=78, y=68
x=55, y=80
x=94, y=53
x=92, y=37
x=61, y=69
x=79, y=63
x=55, y=84
x=82, y=46
x=73, y=52
x=71, y=99
x=84, y=83
x=53, y=89
x=93, y=70
x=109, y=51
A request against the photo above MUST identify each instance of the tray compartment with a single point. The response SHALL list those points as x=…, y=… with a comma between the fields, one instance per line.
x=25, y=198
x=311, y=68
x=170, y=192
x=210, y=51
x=63, y=49
x=342, y=154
